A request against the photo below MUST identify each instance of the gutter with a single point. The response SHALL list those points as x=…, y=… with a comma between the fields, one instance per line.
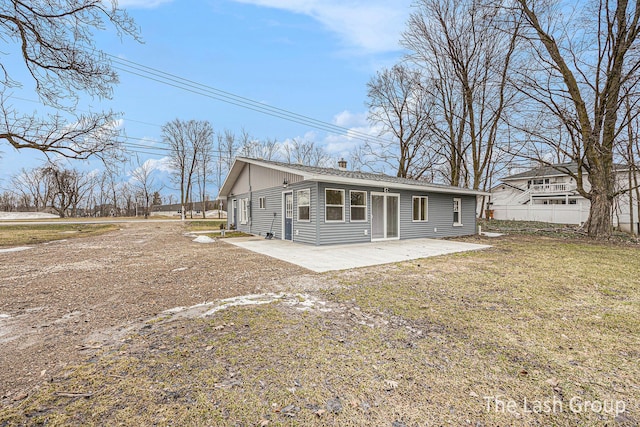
x=397, y=186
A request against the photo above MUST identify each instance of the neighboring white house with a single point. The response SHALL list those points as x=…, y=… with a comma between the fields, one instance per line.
x=549, y=195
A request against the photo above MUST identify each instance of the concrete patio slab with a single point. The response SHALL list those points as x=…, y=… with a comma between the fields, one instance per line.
x=342, y=257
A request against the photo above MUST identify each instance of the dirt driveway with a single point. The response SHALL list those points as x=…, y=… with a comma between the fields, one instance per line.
x=63, y=300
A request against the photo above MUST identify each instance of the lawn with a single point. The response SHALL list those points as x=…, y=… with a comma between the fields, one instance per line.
x=534, y=331
x=204, y=224
x=31, y=234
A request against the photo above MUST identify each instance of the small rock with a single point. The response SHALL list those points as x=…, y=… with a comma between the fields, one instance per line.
x=20, y=396
x=289, y=411
x=624, y=419
x=553, y=382
x=397, y=423
x=473, y=394
x=334, y=405
x=390, y=385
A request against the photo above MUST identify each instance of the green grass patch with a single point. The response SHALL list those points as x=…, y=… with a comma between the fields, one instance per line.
x=203, y=225
x=30, y=234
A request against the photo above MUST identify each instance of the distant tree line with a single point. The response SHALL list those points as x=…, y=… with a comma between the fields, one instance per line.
x=199, y=161
x=69, y=192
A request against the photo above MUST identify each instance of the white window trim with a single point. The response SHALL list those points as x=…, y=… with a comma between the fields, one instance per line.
x=459, y=223
x=426, y=214
x=344, y=201
x=307, y=190
x=263, y=202
x=244, y=211
x=365, y=206
x=386, y=197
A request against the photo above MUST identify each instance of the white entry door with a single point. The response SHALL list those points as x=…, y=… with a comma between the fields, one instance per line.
x=385, y=216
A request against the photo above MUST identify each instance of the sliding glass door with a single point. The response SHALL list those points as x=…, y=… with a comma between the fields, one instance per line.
x=385, y=216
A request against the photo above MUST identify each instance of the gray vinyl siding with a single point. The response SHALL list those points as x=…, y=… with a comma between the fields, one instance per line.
x=331, y=233
x=261, y=219
x=303, y=231
x=440, y=218
x=439, y=224
x=319, y=232
x=257, y=178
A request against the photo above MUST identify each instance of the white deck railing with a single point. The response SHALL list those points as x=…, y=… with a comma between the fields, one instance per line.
x=552, y=188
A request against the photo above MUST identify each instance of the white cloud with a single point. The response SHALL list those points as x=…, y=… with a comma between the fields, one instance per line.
x=358, y=129
x=370, y=25
x=348, y=119
x=158, y=168
x=141, y=4
x=160, y=165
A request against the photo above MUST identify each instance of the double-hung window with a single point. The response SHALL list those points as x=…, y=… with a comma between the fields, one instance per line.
x=334, y=205
x=244, y=211
x=358, y=206
x=457, y=211
x=420, y=208
x=304, y=205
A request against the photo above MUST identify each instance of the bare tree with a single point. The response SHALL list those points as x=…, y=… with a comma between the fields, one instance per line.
x=204, y=166
x=56, y=44
x=270, y=149
x=582, y=62
x=399, y=104
x=127, y=199
x=305, y=153
x=144, y=185
x=35, y=184
x=66, y=188
x=260, y=149
x=8, y=201
x=83, y=185
x=466, y=57
x=228, y=147
x=186, y=140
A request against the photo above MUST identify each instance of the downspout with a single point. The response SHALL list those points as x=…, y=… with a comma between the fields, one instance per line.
x=250, y=219
x=317, y=207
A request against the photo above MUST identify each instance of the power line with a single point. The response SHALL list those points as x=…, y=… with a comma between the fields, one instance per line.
x=173, y=80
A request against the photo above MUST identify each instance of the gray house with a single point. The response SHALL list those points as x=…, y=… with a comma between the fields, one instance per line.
x=322, y=206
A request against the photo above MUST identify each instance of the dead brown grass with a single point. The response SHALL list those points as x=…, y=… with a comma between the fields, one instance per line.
x=31, y=234
x=431, y=342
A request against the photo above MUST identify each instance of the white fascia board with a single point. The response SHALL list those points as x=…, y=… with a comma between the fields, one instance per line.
x=397, y=186
x=272, y=166
x=232, y=175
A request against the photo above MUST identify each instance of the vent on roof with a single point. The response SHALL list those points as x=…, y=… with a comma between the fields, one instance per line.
x=342, y=164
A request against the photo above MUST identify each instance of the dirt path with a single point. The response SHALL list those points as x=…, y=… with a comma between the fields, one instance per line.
x=63, y=300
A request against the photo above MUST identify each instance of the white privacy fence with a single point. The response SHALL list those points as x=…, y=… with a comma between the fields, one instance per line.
x=559, y=214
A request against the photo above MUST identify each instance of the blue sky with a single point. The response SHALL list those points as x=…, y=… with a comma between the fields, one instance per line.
x=312, y=57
